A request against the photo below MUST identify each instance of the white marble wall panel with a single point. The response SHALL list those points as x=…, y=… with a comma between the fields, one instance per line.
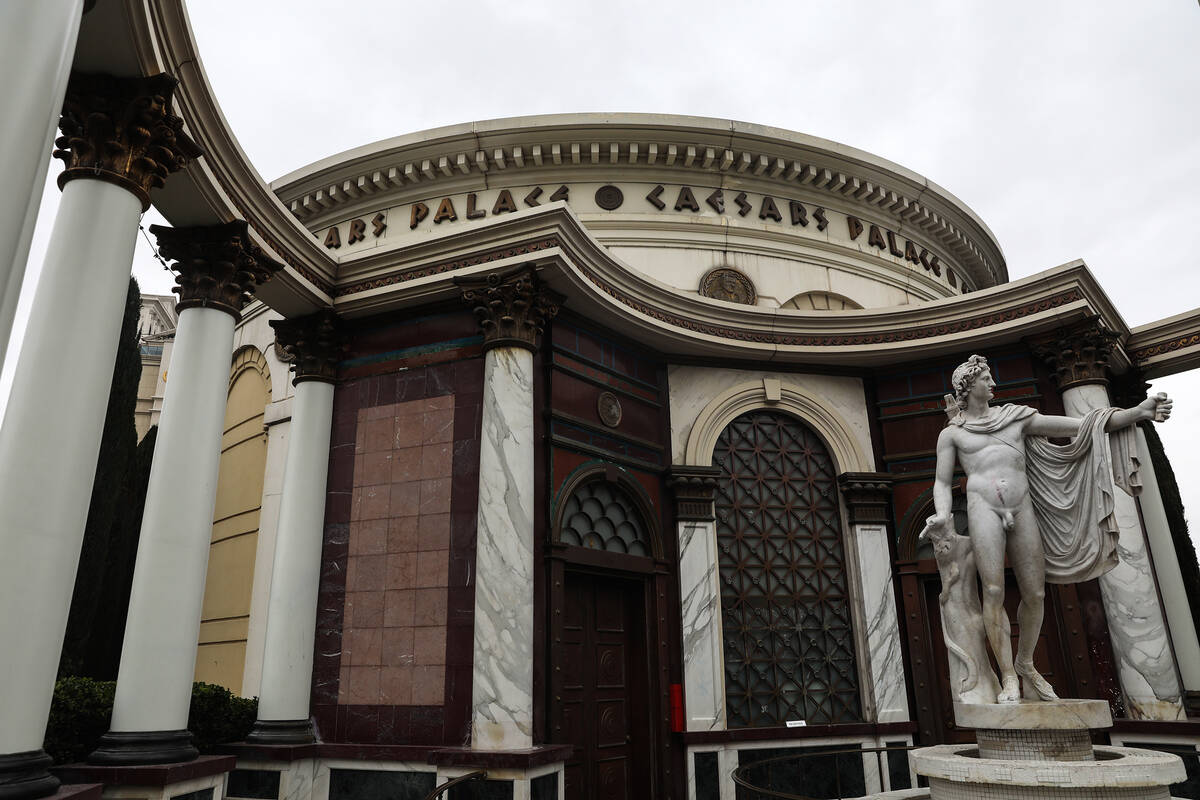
x=1136, y=623
x=884, y=656
x=502, y=680
x=296, y=778
x=700, y=601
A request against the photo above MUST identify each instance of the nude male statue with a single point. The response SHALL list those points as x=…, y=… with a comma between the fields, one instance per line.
x=991, y=444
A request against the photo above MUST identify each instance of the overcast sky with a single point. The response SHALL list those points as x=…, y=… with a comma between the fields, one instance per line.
x=1071, y=128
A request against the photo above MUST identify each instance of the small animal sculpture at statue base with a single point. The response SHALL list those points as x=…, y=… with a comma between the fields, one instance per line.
x=972, y=679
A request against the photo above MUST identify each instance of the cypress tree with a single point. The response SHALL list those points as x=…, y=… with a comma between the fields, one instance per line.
x=109, y=630
x=1185, y=551
x=118, y=444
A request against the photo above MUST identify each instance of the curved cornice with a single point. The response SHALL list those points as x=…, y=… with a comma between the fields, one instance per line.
x=641, y=147
x=224, y=185
x=596, y=282
x=155, y=36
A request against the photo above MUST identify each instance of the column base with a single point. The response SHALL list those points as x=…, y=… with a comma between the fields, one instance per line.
x=131, y=748
x=282, y=731
x=24, y=775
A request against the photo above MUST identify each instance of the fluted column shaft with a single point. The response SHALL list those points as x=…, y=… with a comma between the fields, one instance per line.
x=35, y=62
x=218, y=267
x=285, y=696
x=512, y=311
x=50, y=436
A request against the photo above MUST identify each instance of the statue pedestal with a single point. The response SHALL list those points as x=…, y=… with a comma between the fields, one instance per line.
x=1036, y=749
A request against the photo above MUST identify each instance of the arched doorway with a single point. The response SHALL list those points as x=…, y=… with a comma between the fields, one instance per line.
x=605, y=564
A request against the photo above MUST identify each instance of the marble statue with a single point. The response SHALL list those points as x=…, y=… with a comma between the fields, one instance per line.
x=1050, y=507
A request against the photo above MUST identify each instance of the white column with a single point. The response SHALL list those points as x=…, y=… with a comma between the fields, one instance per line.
x=502, y=679
x=1136, y=624
x=50, y=439
x=700, y=606
x=283, y=704
x=158, y=657
x=38, y=41
x=1166, y=569
x=278, y=421
x=884, y=655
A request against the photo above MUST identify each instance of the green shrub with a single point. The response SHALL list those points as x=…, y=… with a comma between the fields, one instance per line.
x=82, y=708
x=79, y=716
x=218, y=716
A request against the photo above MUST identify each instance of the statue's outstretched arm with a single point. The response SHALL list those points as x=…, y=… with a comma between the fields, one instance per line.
x=1157, y=408
x=1051, y=425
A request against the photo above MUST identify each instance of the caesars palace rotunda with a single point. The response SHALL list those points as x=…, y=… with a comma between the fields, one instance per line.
x=588, y=451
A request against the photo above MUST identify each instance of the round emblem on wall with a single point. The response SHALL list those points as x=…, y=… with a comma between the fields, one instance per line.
x=728, y=284
x=609, y=409
x=609, y=197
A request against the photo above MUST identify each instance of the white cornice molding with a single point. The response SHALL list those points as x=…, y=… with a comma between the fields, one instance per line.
x=1166, y=346
x=223, y=183
x=638, y=147
x=599, y=284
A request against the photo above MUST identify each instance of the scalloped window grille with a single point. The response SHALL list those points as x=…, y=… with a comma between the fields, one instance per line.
x=788, y=640
x=603, y=516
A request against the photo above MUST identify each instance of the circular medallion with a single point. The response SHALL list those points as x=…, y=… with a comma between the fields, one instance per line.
x=609, y=197
x=728, y=284
x=609, y=409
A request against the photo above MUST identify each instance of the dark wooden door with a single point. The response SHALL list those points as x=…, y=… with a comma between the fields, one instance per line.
x=601, y=698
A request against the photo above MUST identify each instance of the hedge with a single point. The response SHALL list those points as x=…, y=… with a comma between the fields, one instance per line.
x=82, y=708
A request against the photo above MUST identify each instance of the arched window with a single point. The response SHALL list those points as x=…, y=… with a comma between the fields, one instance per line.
x=602, y=515
x=789, y=644
x=821, y=301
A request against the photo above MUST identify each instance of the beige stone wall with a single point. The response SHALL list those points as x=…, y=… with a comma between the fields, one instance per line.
x=225, y=618
x=145, y=395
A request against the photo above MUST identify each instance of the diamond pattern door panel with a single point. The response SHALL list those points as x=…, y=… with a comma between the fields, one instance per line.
x=789, y=645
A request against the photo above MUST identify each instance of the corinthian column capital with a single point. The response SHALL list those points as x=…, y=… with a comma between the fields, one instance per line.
x=121, y=130
x=1078, y=354
x=314, y=342
x=512, y=308
x=218, y=266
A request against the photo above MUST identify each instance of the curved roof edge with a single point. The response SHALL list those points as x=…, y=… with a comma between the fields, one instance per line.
x=718, y=146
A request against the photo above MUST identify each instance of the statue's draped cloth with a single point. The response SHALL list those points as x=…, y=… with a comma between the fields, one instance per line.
x=1071, y=487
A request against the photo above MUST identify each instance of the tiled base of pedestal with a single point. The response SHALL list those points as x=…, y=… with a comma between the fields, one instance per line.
x=956, y=772
x=1035, y=745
